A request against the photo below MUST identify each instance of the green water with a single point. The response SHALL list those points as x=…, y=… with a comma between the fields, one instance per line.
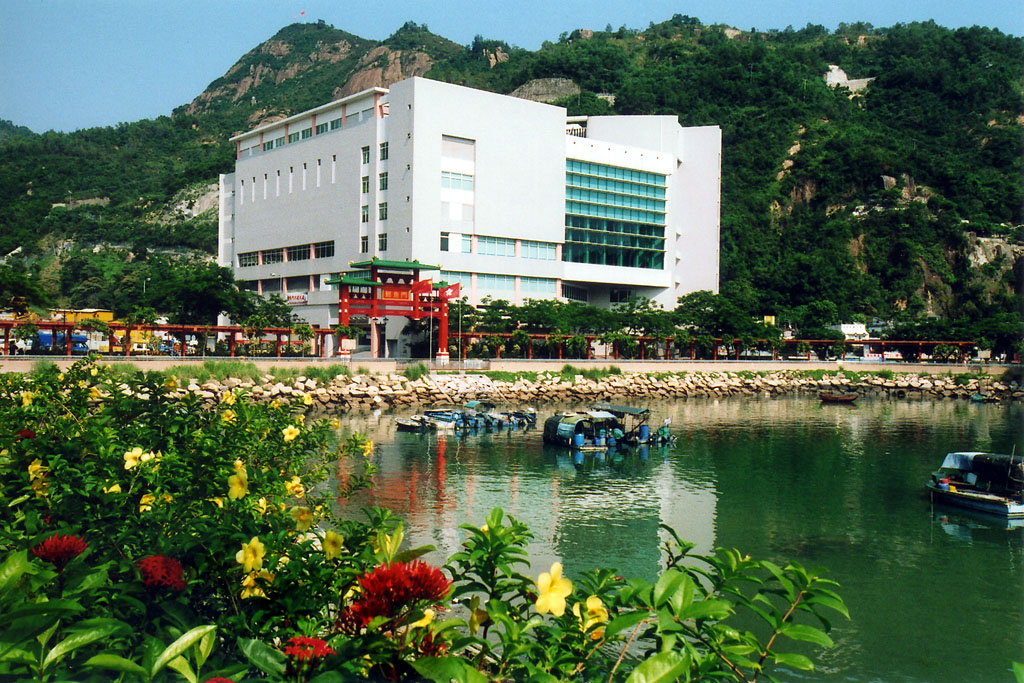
x=935, y=594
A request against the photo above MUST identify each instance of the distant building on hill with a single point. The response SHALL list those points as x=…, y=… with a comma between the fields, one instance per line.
x=511, y=198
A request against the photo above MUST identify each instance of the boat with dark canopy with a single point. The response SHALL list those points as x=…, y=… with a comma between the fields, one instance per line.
x=988, y=482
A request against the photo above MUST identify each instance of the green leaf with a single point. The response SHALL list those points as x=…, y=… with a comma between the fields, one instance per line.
x=623, y=622
x=1018, y=672
x=793, y=661
x=12, y=569
x=116, y=663
x=412, y=553
x=183, y=643
x=447, y=669
x=829, y=601
x=328, y=677
x=204, y=647
x=707, y=609
x=100, y=628
x=661, y=668
x=180, y=664
x=266, y=658
x=667, y=584
x=806, y=633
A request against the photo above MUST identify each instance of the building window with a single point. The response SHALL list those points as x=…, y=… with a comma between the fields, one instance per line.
x=249, y=258
x=495, y=246
x=366, y=155
x=364, y=244
x=279, y=142
x=545, y=251
x=382, y=211
x=456, y=181
x=268, y=145
x=467, y=244
x=574, y=293
x=536, y=285
x=453, y=276
x=298, y=253
x=321, y=128
x=273, y=256
x=495, y=284
x=444, y=243
x=366, y=184
x=293, y=137
x=323, y=249
x=382, y=242
x=364, y=213
x=382, y=181
x=383, y=151
x=307, y=133
x=618, y=296
x=336, y=124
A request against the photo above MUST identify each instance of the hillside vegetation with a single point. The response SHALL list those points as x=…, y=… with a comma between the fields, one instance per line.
x=902, y=200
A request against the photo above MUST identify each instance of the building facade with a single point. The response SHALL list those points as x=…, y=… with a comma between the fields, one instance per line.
x=510, y=197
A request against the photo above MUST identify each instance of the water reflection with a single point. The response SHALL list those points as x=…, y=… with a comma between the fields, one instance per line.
x=783, y=479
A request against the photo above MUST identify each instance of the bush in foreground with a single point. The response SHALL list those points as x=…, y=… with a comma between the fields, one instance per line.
x=152, y=539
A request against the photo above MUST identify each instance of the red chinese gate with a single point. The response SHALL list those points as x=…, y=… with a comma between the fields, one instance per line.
x=381, y=288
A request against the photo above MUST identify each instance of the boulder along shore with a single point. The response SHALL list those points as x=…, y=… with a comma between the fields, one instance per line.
x=345, y=392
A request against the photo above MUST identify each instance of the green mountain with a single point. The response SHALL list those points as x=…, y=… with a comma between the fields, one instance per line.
x=896, y=193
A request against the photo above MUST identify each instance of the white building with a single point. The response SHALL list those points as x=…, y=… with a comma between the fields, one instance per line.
x=512, y=199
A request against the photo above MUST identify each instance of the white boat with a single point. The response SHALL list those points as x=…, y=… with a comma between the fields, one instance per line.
x=987, y=482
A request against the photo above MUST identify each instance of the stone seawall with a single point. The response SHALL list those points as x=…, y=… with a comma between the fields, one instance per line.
x=396, y=391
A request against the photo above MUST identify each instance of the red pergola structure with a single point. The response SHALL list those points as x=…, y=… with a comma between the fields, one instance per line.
x=379, y=288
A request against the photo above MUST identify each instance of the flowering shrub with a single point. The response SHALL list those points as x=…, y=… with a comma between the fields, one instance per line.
x=153, y=538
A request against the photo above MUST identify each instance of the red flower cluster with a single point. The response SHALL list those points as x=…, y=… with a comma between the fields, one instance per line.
x=25, y=433
x=219, y=679
x=59, y=550
x=161, y=571
x=305, y=649
x=389, y=588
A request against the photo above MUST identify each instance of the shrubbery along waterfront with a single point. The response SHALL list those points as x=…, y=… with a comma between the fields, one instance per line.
x=148, y=537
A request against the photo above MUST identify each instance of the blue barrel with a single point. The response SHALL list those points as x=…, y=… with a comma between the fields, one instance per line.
x=577, y=457
x=611, y=440
x=599, y=440
x=644, y=453
x=577, y=440
x=645, y=433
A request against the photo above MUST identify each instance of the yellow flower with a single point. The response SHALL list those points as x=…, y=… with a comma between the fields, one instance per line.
x=553, y=589
x=218, y=501
x=41, y=487
x=60, y=377
x=332, y=544
x=26, y=399
x=303, y=518
x=251, y=555
x=131, y=458
x=146, y=502
x=275, y=404
x=250, y=589
x=238, y=465
x=597, y=613
x=261, y=506
x=167, y=498
x=307, y=399
x=171, y=383
x=95, y=394
x=289, y=433
x=229, y=417
x=301, y=419
x=477, y=617
x=147, y=456
x=94, y=372
x=485, y=528
x=295, y=487
x=116, y=488
x=36, y=470
x=238, y=484
x=367, y=449
x=335, y=423
x=428, y=616
x=228, y=398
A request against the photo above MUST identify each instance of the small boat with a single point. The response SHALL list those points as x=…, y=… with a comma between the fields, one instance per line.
x=583, y=430
x=983, y=398
x=416, y=423
x=987, y=482
x=834, y=397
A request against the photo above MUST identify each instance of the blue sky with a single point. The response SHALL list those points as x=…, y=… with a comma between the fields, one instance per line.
x=70, y=64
